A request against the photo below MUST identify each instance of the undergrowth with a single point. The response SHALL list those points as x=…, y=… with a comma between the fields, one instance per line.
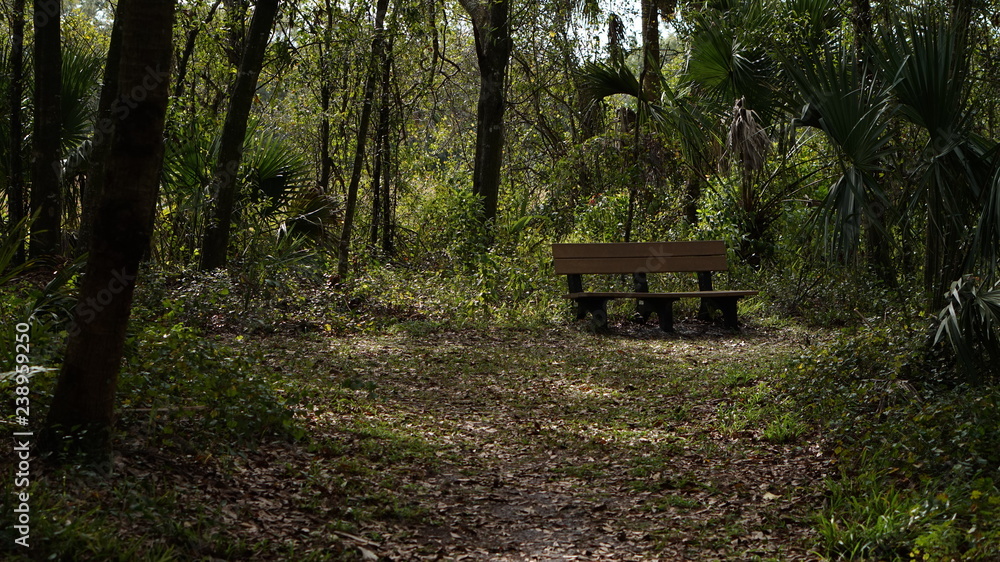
x=918, y=449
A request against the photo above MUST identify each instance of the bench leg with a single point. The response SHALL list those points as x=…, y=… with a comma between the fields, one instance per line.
x=728, y=308
x=597, y=307
x=664, y=309
x=643, y=310
x=707, y=306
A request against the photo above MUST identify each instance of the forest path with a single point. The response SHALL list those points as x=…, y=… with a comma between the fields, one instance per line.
x=561, y=445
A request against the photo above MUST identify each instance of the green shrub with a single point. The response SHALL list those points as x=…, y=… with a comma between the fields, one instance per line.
x=919, y=455
x=970, y=322
x=180, y=384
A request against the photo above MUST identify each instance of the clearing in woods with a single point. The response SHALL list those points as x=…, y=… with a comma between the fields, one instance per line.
x=561, y=445
x=481, y=444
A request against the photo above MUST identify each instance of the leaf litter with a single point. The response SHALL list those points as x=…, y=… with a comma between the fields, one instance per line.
x=503, y=444
x=561, y=445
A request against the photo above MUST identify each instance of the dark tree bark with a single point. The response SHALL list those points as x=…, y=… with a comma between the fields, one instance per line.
x=216, y=242
x=325, y=93
x=494, y=44
x=380, y=173
x=46, y=156
x=378, y=46
x=101, y=142
x=389, y=170
x=325, y=163
x=15, y=93
x=81, y=415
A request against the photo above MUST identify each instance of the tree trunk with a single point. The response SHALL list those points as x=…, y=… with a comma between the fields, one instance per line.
x=380, y=174
x=15, y=93
x=101, y=141
x=82, y=410
x=215, y=245
x=324, y=137
x=46, y=156
x=692, y=192
x=389, y=170
x=650, y=49
x=494, y=44
x=359, y=148
x=325, y=93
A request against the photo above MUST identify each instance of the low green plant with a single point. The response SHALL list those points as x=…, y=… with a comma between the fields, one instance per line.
x=918, y=452
x=180, y=383
x=865, y=520
x=784, y=429
x=970, y=323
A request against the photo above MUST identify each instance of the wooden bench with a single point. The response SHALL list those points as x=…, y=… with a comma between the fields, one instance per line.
x=703, y=258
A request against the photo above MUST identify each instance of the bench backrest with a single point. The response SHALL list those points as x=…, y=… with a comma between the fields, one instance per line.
x=640, y=257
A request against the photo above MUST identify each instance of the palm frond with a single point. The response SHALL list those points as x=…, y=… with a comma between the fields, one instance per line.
x=275, y=170
x=747, y=142
x=818, y=16
x=985, y=251
x=682, y=115
x=13, y=240
x=727, y=65
x=81, y=79
x=599, y=81
x=854, y=112
x=970, y=323
x=931, y=71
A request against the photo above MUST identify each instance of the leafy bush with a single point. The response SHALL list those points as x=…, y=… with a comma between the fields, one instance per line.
x=970, y=322
x=179, y=382
x=919, y=455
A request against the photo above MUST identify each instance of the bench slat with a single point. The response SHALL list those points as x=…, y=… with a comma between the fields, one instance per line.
x=680, y=295
x=650, y=264
x=639, y=249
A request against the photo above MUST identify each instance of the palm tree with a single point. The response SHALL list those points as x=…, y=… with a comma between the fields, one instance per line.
x=854, y=113
x=929, y=56
x=921, y=76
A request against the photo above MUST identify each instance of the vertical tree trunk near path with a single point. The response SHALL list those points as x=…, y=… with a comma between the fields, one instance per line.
x=46, y=156
x=215, y=245
x=378, y=44
x=324, y=137
x=325, y=93
x=380, y=171
x=494, y=44
x=82, y=410
x=389, y=170
x=15, y=93
x=101, y=141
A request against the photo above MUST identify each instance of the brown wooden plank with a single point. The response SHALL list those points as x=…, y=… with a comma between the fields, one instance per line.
x=640, y=249
x=656, y=264
x=678, y=295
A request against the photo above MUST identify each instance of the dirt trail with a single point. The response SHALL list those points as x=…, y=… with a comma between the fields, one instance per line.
x=591, y=449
